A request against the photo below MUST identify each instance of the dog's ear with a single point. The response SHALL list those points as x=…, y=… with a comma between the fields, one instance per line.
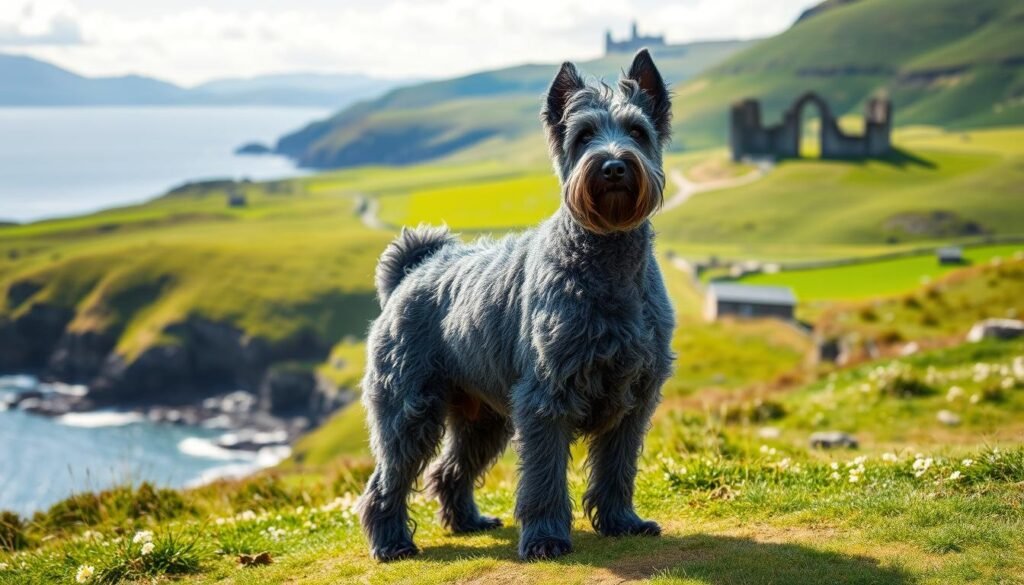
x=566, y=83
x=657, y=104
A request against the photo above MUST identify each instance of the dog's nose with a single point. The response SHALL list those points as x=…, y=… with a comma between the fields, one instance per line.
x=613, y=170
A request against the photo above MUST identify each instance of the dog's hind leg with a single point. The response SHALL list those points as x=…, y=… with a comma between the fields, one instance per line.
x=612, y=459
x=405, y=429
x=476, y=436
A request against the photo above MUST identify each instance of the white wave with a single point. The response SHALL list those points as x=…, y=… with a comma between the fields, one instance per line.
x=233, y=471
x=207, y=449
x=266, y=457
x=76, y=390
x=18, y=383
x=91, y=420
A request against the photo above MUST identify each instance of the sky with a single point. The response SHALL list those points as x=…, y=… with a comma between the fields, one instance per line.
x=189, y=41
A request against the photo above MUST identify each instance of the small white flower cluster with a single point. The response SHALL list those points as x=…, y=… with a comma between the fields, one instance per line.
x=4, y=566
x=145, y=538
x=890, y=457
x=275, y=533
x=856, y=468
x=922, y=464
x=85, y=574
x=346, y=504
x=244, y=516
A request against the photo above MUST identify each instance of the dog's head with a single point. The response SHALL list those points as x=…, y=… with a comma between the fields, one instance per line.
x=606, y=144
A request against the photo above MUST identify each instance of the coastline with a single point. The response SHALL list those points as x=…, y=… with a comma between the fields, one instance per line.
x=89, y=450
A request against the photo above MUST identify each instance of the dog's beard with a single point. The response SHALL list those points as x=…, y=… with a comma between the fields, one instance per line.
x=602, y=208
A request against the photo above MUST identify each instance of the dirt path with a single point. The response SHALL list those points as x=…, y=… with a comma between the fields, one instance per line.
x=367, y=208
x=688, y=188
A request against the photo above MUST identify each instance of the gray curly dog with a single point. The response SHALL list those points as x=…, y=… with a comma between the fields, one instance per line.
x=559, y=332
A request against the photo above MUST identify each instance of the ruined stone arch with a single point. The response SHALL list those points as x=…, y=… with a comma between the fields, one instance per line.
x=797, y=110
x=748, y=137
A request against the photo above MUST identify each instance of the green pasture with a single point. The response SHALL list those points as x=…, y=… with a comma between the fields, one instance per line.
x=871, y=279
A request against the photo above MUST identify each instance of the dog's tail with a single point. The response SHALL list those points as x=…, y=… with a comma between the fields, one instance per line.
x=410, y=248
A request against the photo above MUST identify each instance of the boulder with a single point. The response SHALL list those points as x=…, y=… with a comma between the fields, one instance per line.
x=833, y=440
x=1002, y=329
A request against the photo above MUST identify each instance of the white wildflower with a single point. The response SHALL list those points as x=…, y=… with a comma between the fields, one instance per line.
x=834, y=465
x=835, y=476
x=275, y=533
x=310, y=526
x=143, y=536
x=921, y=465
x=967, y=462
x=247, y=516
x=1008, y=383
x=4, y=566
x=85, y=573
x=299, y=510
x=148, y=548
x=890, y=457
x=955, y=475
x=955, y=393
x=975, y=398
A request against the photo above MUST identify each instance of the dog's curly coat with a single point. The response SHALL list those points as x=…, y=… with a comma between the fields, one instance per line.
x=547, y=335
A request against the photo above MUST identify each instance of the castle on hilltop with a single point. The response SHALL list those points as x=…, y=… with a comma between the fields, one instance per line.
x=632, y=44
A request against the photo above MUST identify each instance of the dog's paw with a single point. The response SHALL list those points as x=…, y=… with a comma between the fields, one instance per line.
x=395, y=552
x=546, y=547
x=478, y=524
x=635, y=527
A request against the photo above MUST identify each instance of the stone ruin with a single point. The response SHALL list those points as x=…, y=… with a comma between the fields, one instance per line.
x=748, y=138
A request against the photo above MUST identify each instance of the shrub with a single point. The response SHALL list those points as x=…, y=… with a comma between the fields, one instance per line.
x=12, y=532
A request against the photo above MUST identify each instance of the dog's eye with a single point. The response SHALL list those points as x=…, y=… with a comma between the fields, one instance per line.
x=586, y=137
x=636, y=133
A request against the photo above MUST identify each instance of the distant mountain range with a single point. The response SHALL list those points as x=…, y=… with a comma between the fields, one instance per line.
x=25, y=81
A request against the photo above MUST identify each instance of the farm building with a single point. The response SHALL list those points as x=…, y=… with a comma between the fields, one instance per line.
x=740, y=300
x=950, y=255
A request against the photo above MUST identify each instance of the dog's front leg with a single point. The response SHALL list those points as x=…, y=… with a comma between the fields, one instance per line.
x=543, y=508
x=613, y=457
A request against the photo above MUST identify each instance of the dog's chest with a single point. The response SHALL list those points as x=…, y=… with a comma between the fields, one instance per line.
x=605, y=353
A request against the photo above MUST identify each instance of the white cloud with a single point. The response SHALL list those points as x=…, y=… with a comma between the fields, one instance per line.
x=39, y=24
x=189, y=41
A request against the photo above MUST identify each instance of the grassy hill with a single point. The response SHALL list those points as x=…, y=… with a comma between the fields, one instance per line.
x=951, y=63
x=440, y=118
x=294, y=266
x=920, y=502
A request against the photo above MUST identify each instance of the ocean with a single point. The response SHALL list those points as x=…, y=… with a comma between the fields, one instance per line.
x=43, y=459
x=65, y=161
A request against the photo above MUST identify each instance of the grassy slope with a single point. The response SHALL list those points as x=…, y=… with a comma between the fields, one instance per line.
x=870, y=279
x=441, y=118
x=881, y=45
x=285, y=263
x=735, y=508
x=973, y=177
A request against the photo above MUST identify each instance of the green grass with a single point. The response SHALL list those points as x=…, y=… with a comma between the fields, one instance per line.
x=934, y=313
x=872, y=279
x=867, y=203
x=928, y=503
